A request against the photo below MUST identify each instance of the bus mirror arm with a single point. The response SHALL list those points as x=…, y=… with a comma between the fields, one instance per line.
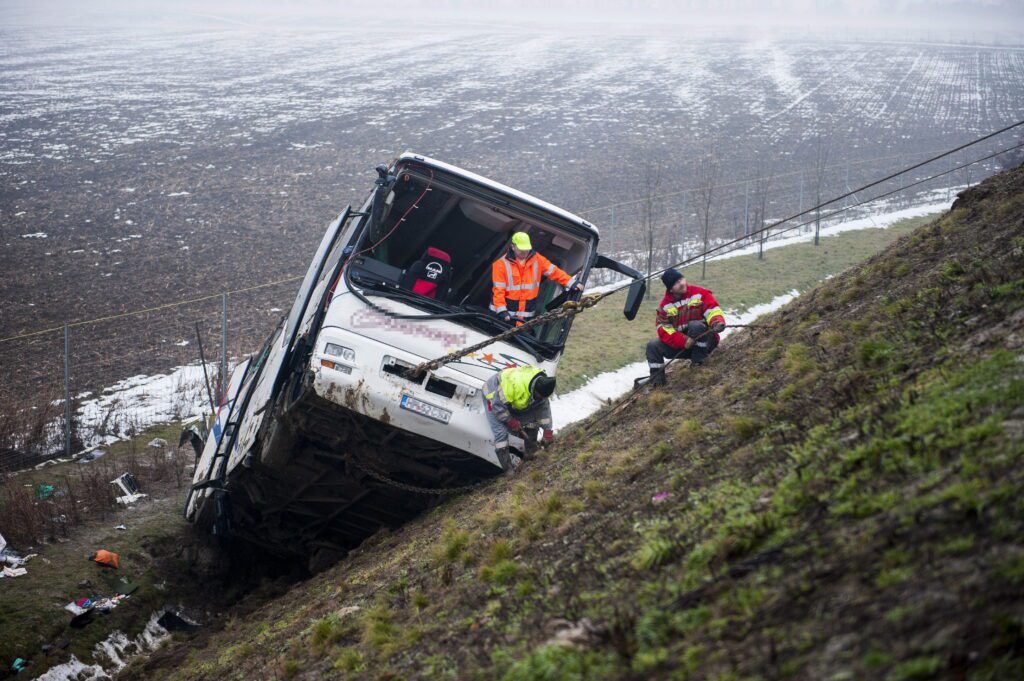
x=635, y=295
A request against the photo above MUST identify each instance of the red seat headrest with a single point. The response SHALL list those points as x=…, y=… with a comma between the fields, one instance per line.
x=438, y=253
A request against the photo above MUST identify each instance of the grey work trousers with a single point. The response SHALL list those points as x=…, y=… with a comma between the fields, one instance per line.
x=658, y=351
x=533, y=417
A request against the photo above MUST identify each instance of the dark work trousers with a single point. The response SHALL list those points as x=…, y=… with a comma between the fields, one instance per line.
x=658, y=351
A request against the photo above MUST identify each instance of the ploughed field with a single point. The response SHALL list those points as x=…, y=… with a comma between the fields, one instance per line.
x=145, y=166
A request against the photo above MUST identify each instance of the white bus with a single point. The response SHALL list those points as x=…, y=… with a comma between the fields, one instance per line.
x=324, y=434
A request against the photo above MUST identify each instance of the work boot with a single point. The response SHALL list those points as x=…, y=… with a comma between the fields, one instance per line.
x=505, y=459
x=657, y=377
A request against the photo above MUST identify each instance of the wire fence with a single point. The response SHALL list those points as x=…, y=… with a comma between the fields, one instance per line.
x=80, y=384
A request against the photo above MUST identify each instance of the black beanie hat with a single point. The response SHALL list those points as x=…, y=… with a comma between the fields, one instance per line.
x=670, y=276
x=542, y=386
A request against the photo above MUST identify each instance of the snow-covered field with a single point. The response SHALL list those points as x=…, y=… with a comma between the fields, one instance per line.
x=89, y=95
x=145, y=167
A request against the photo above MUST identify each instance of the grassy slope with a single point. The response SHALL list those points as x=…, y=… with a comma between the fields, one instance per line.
x=30, y=613
x=602, y=340
x=846, y=503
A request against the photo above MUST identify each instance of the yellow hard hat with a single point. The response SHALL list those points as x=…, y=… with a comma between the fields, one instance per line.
x=521, y=240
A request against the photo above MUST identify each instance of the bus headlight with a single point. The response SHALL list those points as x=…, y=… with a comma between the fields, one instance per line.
x=334, y=350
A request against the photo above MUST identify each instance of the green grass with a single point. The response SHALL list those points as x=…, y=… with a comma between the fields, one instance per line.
x=845, y=502
x=602, y=340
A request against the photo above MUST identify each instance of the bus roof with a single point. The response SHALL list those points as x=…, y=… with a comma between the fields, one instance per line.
x=498, y=187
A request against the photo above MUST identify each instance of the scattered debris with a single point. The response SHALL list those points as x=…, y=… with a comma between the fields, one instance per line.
x=563, y=632
x=44, y=491
x=661, y=497
x=3, y=543
x=122, y=526
x=60, y=644
x=86, y=605
x=108, y=604
x=9, y=556
x=158, y=442
x=106, y=558
x=89, y=457
x=348, y=610
x=129, y=488
x=73, y=669
x=50, y=462
x=172, y=621
x=18, y=665
x=13, y=572
x=85, y=584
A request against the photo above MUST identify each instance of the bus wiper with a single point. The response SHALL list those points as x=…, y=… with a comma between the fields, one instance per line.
x=402, y=294
x=528, y=343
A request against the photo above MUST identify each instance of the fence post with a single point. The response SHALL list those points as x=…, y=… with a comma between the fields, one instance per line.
x=614, y=225
x=682, y=230
x=67, y=391
x=800, y=202
x=949, y=180
x=223, y=343
x=746, y=208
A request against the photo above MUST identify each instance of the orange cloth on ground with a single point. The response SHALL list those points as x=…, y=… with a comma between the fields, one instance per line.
x=108, y=558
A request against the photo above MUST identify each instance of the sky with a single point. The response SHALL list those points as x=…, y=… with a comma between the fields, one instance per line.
x=958, y=19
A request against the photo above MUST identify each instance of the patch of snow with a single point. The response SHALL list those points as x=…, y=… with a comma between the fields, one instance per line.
x=131, y=405
x=34, y=235
x=880, y=221
x=73, y=669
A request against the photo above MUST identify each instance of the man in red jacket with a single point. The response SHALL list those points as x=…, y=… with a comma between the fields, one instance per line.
x=689, y=321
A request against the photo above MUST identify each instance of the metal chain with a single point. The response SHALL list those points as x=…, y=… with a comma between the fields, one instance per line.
x=380, y=477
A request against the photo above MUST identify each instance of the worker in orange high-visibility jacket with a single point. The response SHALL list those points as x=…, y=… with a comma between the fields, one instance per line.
x=516, y=278
x=688, y=321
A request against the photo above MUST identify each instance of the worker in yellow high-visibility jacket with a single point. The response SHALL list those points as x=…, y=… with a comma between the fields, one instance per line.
x=517, y=399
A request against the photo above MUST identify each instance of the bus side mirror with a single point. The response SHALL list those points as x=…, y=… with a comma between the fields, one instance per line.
x=635, y=296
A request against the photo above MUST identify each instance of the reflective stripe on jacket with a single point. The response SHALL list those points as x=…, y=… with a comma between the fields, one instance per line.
x=697, y=304
x=508, y=391
x=516, y=286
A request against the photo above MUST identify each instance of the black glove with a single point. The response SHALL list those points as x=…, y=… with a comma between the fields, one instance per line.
x=696, y=329
x=718, y=327
x=506, y=317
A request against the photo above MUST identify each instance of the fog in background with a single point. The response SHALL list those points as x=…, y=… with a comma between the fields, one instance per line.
x=977, y=21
